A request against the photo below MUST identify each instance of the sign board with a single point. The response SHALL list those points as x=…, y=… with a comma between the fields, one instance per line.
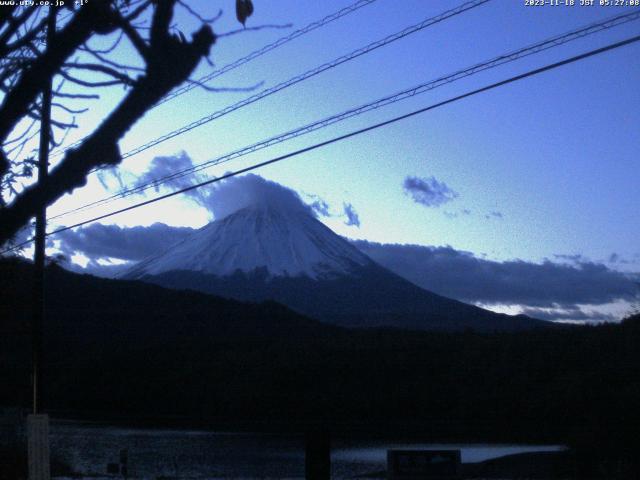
x=38, y=447
x=423, y=464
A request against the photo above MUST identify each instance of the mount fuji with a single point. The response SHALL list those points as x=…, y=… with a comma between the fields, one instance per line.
x=264, y=252
x=277, y=242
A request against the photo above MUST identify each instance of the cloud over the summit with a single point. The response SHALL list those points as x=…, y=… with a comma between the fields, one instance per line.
x=428, y=191
x=221, y=198
x=231, y=195
x=99, y=241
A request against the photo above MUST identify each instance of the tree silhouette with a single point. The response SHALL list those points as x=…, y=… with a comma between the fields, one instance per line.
x=27, y=65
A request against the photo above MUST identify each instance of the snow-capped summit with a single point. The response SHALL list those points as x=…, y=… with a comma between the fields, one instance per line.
x=266, y=244
x=283, y=242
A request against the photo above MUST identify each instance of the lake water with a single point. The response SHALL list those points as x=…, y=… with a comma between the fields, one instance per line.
x=183, y=454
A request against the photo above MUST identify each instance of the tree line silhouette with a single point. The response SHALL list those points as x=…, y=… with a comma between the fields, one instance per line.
x=134, y=352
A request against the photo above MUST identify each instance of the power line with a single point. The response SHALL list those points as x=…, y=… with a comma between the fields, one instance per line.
x=309, y=74
x=306, y=75
x=390, y=99
x=354, y=133
x=40, y=229
x=267, y=48
x=251, y=56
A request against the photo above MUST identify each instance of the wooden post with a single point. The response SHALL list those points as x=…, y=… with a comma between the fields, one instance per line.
x=38, y=424
x=38, y=447
x=41, y=226
x=317, y=458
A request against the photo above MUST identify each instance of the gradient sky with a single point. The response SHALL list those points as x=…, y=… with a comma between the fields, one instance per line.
x=543, y=167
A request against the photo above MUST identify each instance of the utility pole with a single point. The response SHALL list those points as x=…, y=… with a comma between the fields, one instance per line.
x=41, y=227
x=38, y=424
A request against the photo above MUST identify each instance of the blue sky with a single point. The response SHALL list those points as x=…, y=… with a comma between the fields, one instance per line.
x=543, y=167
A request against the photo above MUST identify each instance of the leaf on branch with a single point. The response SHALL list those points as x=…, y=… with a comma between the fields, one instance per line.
x=244, y=9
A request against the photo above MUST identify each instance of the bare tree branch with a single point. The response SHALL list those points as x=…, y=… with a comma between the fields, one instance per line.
x=96, y=67
x=86, y=96
x=29, y=37
x=69, y=110
x=111, y=47
x=135, y=13
x=254, y=29
x=22, y=135
x=93, y=17
x=90, y=83
x=13, y=24
x=135, y=38
x=209, y=21
x=170, y=60
x=102, y=58
x=6, y=15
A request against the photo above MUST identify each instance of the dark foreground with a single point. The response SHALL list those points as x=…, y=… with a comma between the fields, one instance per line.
x=542, y=466
x=536, y=465
x=126, y=350
x=86, y=451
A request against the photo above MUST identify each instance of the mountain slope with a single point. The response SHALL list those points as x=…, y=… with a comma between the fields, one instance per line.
x=265, y=253
x=117, y=345
x=109, y=309
x=284, y=243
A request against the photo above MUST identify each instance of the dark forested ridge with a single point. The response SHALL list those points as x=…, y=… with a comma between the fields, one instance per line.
x=369, y=297
x=137, y=350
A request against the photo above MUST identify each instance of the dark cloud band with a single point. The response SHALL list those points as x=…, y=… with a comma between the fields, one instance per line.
x=463, y=276
x=443, y=270
x=99, y=241
x=546, y=289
